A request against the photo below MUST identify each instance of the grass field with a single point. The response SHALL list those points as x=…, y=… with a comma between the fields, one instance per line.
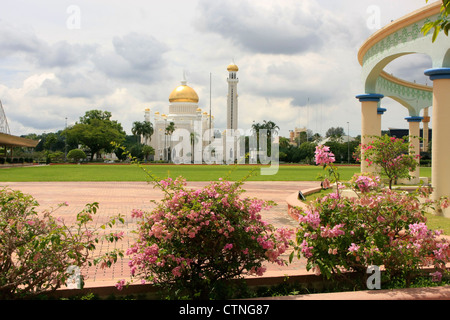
x=190, y=172
x=110, y=172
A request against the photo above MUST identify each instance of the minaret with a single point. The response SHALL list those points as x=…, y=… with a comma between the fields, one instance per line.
x=232, y=103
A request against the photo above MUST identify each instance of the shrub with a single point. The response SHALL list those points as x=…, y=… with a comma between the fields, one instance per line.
x=36, y=250
x=196, y=240
x=76, y=155
x=377, y=227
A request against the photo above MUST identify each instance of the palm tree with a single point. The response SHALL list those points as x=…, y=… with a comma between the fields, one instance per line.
x=144, y=129
x=137, y=130
x=271, y=127
x=147, y=131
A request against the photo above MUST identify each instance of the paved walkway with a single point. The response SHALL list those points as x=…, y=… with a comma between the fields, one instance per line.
x=122, y=197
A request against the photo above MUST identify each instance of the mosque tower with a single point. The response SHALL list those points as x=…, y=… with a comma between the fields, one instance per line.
x=232, y=103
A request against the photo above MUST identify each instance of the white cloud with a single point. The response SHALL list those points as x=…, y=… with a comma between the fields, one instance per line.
x=129, y=56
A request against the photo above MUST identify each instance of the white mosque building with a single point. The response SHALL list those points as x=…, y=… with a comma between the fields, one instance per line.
x=185, y=113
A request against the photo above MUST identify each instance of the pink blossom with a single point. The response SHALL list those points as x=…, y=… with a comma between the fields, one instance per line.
x=353, y=248
x=323, y=155
x=120, y=284
x=311, y=218
x=436, y=276
x=305, y=249
x=176, y=271
x=135, y=213
x=419, y=230
x=228, y=246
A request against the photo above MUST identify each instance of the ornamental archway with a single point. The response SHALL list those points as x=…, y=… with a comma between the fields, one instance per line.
x=399, y=38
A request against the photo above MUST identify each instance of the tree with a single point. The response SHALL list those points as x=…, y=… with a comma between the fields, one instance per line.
x=441, y=23
x=76, y=155
x=96, y=131
x=144, y=129
x=272, y=129
x=391, y=155
x=335, y=132
x=147, y=151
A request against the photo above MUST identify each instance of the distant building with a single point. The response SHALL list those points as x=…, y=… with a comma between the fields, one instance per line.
x=185, y=113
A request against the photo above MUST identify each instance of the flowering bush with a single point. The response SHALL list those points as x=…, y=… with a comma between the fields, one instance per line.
x=364, y=182
x=194, y=240
x=36, y=250
x=377, y=227
x=392, y=155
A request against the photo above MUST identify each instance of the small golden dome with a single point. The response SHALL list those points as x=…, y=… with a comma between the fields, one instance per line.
x=183, y=93
x=233, y=67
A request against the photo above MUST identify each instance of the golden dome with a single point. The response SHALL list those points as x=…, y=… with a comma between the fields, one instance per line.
x=183, y=93
x=233, y=67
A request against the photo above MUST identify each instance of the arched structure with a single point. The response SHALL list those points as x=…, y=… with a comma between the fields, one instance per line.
x=399, y=38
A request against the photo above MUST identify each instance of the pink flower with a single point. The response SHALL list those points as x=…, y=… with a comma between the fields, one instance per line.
x=306, y=250
x=135, y=213
x=120, y=284
x=176, y=271
x=353, y=248
x=436, y=276
x=323, y=155
x=228, y=246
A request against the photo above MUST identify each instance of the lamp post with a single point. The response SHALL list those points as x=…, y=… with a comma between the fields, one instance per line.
x=348, y=142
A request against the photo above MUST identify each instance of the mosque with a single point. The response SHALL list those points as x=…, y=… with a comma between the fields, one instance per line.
x=184, y=113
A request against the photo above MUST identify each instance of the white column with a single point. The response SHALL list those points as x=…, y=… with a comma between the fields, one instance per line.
x=370, y=122
x=440, y=177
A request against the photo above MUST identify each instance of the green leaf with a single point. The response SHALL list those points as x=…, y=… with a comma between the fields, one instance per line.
x=436, y=33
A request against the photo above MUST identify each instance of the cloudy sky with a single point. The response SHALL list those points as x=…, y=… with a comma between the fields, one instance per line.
x=297, y=59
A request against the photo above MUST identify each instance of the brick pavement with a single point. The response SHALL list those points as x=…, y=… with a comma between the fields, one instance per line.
x=122, y=197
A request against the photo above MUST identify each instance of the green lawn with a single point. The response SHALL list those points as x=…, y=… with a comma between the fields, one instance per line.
x=190, y=172
x=106, y=172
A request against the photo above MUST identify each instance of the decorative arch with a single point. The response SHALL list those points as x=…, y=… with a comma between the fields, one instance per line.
x=399, y=38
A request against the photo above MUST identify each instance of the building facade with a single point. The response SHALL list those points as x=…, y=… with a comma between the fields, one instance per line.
x=184, y=113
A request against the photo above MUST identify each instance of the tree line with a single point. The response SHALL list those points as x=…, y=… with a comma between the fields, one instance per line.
x=96, y=134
